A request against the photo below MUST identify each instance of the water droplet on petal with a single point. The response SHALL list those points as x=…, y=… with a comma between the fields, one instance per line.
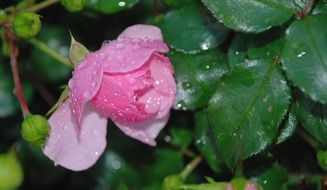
x=71, y=83
x=87, y=94
x=119, y=46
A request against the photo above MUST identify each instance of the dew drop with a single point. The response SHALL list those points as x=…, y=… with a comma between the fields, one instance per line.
x=131, y=80
x=122, y=4
x=301, y=54
x=93, y=84
x=181, y=105
x=204, y=45
x=120, y=58
x=87, y=94
x=116, y=164
x=186, y=85
x=119, y=46
x=71, y=83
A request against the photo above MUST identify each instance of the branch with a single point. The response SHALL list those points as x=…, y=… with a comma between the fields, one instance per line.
x=11, y=39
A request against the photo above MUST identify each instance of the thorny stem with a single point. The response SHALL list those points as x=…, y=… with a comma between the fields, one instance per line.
x=10, y=37
x=51, y=52
x=190, y=167
x=306, y=9
x=42, y=5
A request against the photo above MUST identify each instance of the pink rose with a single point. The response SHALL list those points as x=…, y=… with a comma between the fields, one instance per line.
x=128, y=81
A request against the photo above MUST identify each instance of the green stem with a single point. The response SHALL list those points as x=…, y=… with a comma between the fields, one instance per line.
x=190, y=167
x=313, y=143
x=42, y=5
x=51, y=52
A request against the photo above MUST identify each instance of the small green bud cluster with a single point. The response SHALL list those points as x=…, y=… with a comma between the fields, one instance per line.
x=35, y=129
x=26, y=25
x=73, y=5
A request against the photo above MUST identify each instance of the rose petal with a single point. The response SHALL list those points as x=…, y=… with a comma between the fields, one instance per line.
x=142, y=31
x=115, y=99
x=152, y=100
x=84, y=84
x=164, y=82
x=144, y=131
x=125, y=55
x=72, y=150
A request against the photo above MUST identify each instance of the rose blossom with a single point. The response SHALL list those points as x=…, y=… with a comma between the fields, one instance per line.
x=128, y=81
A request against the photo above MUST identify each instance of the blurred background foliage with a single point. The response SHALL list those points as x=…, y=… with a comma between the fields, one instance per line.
x=219, y=65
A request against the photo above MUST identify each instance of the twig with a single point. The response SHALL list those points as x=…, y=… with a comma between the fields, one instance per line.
x=190, y=167
x=42, y=5
x=10, y=37
x=51, y=52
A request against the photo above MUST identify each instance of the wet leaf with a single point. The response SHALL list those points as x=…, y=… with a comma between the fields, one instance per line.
x=255, y=46
x=288, y=127
x=251, y=15
x=196, y=77
x=272, y=178
x=304, y=56
x=197, y=33
x=247, y=108
x=313, y=117
x=205, y=142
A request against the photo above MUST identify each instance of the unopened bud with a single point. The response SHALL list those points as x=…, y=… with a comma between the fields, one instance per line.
x=11, y=173
x=26, y=24
x=73, y=5
x=172, y=182
x=35, y=130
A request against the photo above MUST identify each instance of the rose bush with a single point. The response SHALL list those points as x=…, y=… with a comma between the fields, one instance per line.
x=129, y=81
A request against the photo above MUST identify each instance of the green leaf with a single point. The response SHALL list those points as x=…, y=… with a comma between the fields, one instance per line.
x=245, y=112
x=272, y=178
x=304, y=56
x=205, y=143
x=112, y=6
x=255, y=46
x=313, y=117
x=320, y=7
x=45, y=66
x=178, y=3
x=196, y=77
x=197, y=33
x=181, y=136
x=251, y=15
x=77, y=51
x=288, y=127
